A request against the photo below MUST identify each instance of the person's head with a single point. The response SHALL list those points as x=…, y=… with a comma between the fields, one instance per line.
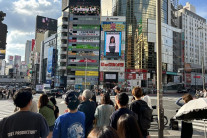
x=87, y=94
x=22, y=98
x=93, y=98
x=137, y=92
x=122, y=99
x=103, y=132
x=143, y=93
x=112, y=39
x=116, y=89
x=105, y=98
x=43, y=100
x=127, y=127
x=52, y=99
x=187, y=97
x=72, y=100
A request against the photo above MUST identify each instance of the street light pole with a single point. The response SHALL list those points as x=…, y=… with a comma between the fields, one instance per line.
x=86, y=71
x=160, y=109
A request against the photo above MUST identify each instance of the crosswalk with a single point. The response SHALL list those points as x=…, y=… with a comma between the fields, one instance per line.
x=6, y=108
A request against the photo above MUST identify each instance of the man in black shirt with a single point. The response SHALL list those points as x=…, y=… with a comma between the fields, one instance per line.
x=24, y=124
x=89, y=108
x=121, y=100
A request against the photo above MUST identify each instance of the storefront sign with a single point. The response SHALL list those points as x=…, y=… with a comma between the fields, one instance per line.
x=113, y=26
x=88, y=73
x=87, y=33
x=83, y=60
x=101, y=76
x=137, y=70
x=82, y=67
x=112, y=66
x=83, y=47
x=131, y=76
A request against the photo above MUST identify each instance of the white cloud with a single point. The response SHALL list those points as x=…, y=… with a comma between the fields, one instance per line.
x=44, y=2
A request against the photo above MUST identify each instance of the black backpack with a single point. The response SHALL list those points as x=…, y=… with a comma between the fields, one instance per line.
x=145, y=115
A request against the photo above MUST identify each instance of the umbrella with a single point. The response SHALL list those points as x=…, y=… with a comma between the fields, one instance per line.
x=193, y=110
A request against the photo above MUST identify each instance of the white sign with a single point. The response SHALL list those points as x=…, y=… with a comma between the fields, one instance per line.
x=78, y=81
x=113, y=18
x=87, y=33
x=121, y=75
x=112, y=66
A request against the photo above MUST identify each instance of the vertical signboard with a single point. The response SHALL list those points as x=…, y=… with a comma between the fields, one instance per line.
x=49, y=62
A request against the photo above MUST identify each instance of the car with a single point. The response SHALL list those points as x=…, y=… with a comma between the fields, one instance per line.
x=55, y=92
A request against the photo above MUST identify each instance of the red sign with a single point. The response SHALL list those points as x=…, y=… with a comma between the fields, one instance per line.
x=131, y=76
x=112, y=64
x=136, y=70
x=83, y=60
x=72, y=40
x=33, y=44
x=197, y=77
x=144, y=76
x=101, y=76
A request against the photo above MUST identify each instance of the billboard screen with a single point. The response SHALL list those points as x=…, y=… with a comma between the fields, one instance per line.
x=84, y=3
x=43, y=24
x=83, y=10
x=49, y=60
x=112, y=46
x=111, y=77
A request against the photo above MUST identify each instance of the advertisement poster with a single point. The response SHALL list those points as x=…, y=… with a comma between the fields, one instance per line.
x=49, y=60
x=88, y=73
x=44, y=23
x=112, y=44
x=112, y=66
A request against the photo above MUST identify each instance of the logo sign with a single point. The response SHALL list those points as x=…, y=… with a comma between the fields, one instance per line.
x=88, y=73
x=84, y=60
x=131, y=76
x=112, y=66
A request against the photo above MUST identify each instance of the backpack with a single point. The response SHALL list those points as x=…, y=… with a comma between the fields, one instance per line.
x=144, y=116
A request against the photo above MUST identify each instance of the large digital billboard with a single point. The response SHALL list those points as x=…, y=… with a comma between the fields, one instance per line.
x=49, y=60
x=82, y=10
x=112, y=46
x=84, y=3
x=44, y=23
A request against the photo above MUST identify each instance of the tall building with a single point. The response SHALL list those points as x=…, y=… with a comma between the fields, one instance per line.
x=3, y=35
x=137, y=13
x=62, y=47
x=194, y=30
x=82, y=55
x=17, y=64
x=48, y=59
x=28, y=49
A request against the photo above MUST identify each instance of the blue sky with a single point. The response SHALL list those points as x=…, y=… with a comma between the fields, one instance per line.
x=21, y=15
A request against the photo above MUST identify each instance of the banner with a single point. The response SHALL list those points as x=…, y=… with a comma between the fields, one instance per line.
x=83, y=47
x=112, y=66
x=83, y=60
x=88, y=73
x=131, y=76
x=87, y=33
x=112, y=26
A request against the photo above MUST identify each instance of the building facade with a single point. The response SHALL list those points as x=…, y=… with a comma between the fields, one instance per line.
x=112, y=51
x=28, y=49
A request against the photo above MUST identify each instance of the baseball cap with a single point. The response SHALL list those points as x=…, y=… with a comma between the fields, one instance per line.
x=72, y=100
x=116, y=87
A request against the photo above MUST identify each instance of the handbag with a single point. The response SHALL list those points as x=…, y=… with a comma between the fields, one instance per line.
x=174, y=124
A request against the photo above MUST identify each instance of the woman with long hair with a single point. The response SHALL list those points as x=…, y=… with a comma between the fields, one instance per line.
x=112, y=45
x=46, y=108
x=104, y=111
x=127, y=127
x=103, y=132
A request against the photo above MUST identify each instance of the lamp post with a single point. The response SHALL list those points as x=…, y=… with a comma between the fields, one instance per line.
x=86, y=60
x=160, y=109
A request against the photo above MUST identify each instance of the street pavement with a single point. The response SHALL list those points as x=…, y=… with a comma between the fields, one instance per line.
x=7, y=108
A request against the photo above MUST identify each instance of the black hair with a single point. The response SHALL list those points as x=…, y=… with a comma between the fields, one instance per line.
x=72, y=100
x=123, y=99
x=52, y=99
x=103, y=132
x=111, y=38
x=22, y=98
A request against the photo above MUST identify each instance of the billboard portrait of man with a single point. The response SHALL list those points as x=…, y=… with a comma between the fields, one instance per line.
x=112, y=44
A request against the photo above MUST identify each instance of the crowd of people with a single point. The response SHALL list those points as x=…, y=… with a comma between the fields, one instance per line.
x=84, y=116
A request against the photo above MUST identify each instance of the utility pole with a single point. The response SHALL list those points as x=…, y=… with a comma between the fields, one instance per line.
x=160, y=109
x=86, y=71
x=203, y=73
